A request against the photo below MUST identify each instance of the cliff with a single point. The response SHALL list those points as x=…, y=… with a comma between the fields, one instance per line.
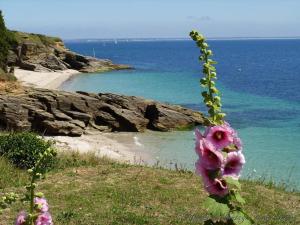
x=38, y=52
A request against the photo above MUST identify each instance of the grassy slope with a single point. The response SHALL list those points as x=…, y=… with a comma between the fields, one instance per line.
x=35, y=38
x=95, y=192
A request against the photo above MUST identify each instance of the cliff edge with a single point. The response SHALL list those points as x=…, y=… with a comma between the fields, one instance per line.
x=42, y=53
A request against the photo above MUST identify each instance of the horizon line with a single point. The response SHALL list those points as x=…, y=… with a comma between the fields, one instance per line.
x=179, y=38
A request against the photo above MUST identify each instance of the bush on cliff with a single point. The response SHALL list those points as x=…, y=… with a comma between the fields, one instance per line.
x=23, y=149
x=4, y=45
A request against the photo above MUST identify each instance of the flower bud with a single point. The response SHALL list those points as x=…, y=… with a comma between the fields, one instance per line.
x=209, y=52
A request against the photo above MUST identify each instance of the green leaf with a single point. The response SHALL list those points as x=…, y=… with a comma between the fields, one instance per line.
x=214, y=90
x=239, y=218
x=203, y=81
x=216, y=209
x=212, y=61
x=204, y=94
x=233, y=182
x=213, y=74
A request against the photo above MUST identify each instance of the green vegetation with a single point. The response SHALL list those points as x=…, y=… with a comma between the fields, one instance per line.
x=24, y=149
x=211, y=96
x=4, y=44
x=6, y=76
x=35, y=38
x=83, y=189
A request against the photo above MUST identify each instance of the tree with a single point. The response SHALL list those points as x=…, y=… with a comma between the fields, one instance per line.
x=4, y=43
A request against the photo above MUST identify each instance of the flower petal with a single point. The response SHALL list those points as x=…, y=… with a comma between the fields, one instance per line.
x=234, y=164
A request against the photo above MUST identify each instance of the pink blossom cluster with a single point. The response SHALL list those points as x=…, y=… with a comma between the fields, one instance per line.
x=220, y=156
x=43, y=216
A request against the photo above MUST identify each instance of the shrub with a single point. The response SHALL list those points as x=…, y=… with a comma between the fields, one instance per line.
x=4, y=45
x=24, y=149
x=7, y=76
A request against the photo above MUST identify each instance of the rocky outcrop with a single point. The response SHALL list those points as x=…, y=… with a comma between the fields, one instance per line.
x=62, y=113
x=41, y=53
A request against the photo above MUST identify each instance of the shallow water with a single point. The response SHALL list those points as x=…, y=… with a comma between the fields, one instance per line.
x=259, y=80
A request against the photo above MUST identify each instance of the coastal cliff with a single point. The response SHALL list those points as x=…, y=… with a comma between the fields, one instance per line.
x=54, y=112
x=36, y=52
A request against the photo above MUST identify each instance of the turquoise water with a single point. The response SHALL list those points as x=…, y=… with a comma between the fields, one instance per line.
x=259, y=80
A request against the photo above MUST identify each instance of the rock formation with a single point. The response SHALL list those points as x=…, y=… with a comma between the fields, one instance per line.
x=42, y=53
x=53, y=112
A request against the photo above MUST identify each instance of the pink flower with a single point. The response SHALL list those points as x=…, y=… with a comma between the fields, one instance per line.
x=234, y=164
x=42, y=204
x=238, y=143
x=212, y=183
x=217, y=187
x=21, y=219
x=44, y=219
x=220, y=136
x=199, y=138
x=209, y=156
x=207, y=175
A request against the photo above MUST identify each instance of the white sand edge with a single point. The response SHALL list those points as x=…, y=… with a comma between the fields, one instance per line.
x=50, y=80
x=102, y=145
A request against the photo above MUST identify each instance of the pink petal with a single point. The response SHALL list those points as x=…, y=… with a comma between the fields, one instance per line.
x=42, y=204
x=210, y=158
x=44, y=219
x=220, y=136
x=217, y=187
x=21, y=219
x=234, y=164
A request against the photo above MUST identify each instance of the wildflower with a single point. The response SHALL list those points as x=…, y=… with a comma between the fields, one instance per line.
x=41, y=204
x=213, y=184
x=21, y=219
x=220, y=136
x=209, y=156
x=234, y=164
x=217, y=187
x=44, y=219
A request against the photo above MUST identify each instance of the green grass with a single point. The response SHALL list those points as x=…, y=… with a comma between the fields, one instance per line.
x=35, y=38
x=6, y=76
x=91, y=191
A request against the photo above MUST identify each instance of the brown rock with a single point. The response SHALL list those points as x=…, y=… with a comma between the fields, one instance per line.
x=63, y=113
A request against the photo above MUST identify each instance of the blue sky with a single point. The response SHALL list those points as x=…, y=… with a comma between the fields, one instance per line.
x=154, y=18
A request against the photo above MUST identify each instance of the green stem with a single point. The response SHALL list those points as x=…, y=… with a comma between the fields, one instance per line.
x=211, y=96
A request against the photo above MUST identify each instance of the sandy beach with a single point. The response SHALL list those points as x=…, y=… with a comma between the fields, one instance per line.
x=118, y=146
x=50, y=80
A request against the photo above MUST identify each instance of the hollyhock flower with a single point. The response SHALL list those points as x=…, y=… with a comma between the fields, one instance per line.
x=220, y=136
x=236, y=140
x=212, y=183
x=234, y=164
x=217, y=187
x=199, y=138
x=238, y=143
x=207, y=175
x=44, y=219
x=21, y=219
x=209, y=156
x=41, y=204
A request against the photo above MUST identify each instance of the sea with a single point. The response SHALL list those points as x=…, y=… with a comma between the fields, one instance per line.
x=260, y=84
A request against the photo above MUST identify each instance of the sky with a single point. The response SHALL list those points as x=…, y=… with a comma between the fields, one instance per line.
x=72, y=19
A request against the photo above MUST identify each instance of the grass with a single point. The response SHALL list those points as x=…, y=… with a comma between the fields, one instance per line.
x=83, y=190
x=35, y=38
x=9, y=83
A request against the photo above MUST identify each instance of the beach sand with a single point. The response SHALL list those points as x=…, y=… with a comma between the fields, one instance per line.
x=50, y=80
x=118, y=146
